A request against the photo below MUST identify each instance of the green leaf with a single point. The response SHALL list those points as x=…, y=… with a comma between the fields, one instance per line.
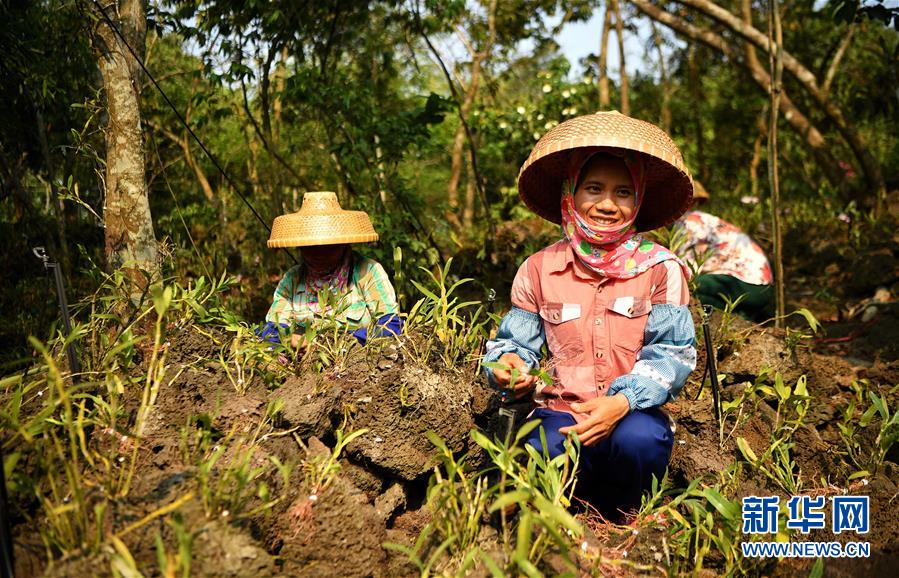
x=860, y=474
x=747, y=452
x=516, y=497
x=817, y=569
x=730, y=510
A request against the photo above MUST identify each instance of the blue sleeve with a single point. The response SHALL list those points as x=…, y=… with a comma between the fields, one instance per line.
x=666, y=360
x=390, y=324
x=519, y=332
x=270, y=331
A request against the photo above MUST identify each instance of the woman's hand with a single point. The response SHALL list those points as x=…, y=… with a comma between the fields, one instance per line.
x=605, y=413
x=298, y=341
x=524, y=383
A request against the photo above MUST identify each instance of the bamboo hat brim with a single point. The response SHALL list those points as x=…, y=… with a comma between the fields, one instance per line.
x=700, y=192
x=321, y=221
x=668, y=186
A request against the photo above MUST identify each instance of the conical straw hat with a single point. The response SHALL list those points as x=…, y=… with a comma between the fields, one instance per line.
x=700, y=192
x=321, y=221
x=669, y=187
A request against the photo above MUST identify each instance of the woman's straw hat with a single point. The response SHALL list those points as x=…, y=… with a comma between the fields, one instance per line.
x=669, y=187
x=321, y=221
x=699, y=192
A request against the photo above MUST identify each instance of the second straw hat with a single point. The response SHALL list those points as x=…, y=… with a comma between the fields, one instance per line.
x=668, y=187
x=321, y=221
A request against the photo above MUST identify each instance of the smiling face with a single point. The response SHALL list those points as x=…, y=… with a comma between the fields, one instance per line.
x=605, y=192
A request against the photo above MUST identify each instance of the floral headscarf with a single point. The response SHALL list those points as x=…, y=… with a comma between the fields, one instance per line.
x=335, y=281
x=617, y=252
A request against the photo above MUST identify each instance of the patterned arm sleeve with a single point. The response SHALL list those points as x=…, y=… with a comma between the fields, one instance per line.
x=380, y=298
x=378, y=290
x=669, y=344
x=521, y=330
x=281, y=310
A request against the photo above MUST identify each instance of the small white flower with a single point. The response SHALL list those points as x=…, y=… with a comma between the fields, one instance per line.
x=573, y=110
x=547, y=88
x=573, y=90
x=865, y=481
x=121, y=459
x=520, y=110
x=540, y=116
x=503, y=125
x=549, y=125
x=584, y=546
x=536, y=136
x=566, y=93
x=749, y=200
x=225, y=513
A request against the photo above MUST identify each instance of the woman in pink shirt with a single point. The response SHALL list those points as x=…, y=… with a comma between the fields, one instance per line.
x=610, y=307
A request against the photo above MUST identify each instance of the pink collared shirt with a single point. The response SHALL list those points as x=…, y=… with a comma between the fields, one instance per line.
x=594, y=325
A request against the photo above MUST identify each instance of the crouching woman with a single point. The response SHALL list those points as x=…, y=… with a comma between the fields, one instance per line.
x=332, y=282
x=610, y=307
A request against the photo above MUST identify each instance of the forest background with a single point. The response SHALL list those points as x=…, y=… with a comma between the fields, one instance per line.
x=418, y=112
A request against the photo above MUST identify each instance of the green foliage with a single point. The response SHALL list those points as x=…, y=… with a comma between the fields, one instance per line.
x=529, y=492
x=453, y=327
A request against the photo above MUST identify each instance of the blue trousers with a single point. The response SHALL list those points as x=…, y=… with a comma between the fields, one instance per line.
x=616, y=471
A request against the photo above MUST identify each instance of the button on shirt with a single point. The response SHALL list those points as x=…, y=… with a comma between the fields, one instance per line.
x=604, y=336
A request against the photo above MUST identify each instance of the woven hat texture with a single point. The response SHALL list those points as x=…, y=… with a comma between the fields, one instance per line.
x=321, y=221
x=700, y=192
x=669, y=186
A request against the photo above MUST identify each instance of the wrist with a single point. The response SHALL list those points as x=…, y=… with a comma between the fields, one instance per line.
x=624, y=402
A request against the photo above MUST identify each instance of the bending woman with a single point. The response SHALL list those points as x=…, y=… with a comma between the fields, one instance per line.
x=332, y=282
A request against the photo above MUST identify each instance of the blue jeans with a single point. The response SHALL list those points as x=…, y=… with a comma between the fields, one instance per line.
x=616, y=471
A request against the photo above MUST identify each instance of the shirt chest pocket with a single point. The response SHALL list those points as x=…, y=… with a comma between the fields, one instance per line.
x=627, y=321
x=563, y=329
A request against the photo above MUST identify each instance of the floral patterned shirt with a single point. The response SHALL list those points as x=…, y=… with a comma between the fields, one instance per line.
x=731, y=251
x=368, y=296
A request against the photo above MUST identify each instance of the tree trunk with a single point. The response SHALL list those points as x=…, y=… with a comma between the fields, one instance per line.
x=452, y=189
x=665, y=114
x=604, y=101
x=762, y=125
x=470, y=195
x=130, y=240
x=798, y=121
x=870, y=165
x=624, y=87
x=775, y=57
x=837, y=58
x=696, y=95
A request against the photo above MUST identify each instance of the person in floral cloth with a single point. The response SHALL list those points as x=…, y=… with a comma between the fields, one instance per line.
x=732, y=264
x=609, y=307
x=332, y=282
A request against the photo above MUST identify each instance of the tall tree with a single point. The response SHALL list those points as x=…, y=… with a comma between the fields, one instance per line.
x=604, y=101
x=120, y=27
x=624, y=83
